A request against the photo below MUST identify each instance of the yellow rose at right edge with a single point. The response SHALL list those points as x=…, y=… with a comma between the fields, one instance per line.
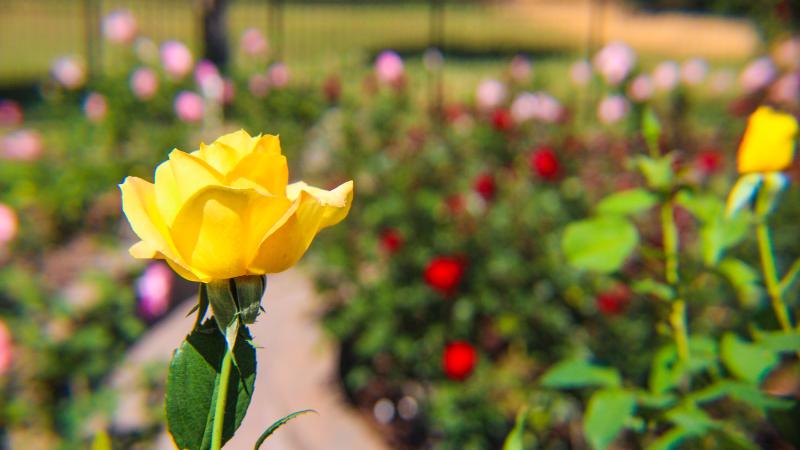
x=768, y=142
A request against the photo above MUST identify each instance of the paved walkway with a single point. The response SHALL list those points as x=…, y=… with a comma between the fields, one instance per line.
x=296, y=371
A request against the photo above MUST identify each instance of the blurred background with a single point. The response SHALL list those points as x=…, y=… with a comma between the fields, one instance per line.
x=475, y=132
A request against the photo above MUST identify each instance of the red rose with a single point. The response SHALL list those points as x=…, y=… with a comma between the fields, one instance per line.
x=545, y=163
x=484, y=185
x=454, y=204
x=502, y=120
x=459, y=360
x=708, y=161
x=332, y=89
x=613, y=301
x=391, y=240
x=444, y=274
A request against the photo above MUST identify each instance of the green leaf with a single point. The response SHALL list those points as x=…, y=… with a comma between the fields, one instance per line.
x=747, y=361
x=651, y=130
x=601, y=244
x=651, y=287
x=655, y=401
x=192, y=383
x=744, y=279
x=671, y=439
x=690, y=418
x=774, y=184
x=665, y=370
x=657, y=171
x=630, y=202
x=578, y=373
x=778, y=341
x=514, y=439
x=201, y=307
x=279, y=423
x=606, y=415
x=743, y=192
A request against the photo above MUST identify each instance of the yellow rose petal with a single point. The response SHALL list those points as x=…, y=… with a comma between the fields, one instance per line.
x=268, y=170
x=768, y=143
x=143, y=250
x=336, y=202
x=217, y=231
x=178, y=179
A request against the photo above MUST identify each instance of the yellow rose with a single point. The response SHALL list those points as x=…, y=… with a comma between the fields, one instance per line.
x=226, y=211
x=768, y=143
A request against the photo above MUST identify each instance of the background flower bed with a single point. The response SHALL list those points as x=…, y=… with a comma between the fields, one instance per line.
x=451, y=257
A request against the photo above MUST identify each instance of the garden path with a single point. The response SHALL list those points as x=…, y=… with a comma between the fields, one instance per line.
x=297, y=370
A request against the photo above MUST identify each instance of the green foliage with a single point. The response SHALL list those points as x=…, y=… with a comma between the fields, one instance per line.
x=278, y=423
x=578, y=373
x=193, y=382
x=601, y=244
x=606, y=415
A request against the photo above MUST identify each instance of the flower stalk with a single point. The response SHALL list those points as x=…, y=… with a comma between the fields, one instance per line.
x=677, y=317
x=221, y=400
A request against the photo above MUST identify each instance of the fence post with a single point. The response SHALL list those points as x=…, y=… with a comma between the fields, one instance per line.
x=275, y=27
x=436, y=43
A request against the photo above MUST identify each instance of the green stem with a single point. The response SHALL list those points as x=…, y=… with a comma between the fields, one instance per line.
x=771, y=276
x=791, y=275
x=677, y=317
x=222, y=397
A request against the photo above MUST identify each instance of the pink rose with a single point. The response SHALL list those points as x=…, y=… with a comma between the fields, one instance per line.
x=95, y=107
x=69, y=72
x=641, y=88
x=8, y=224
x=490, y=94
x=253, y=42
x=389, y=68
x=612, y=109
x=144, y=83
x=119, y=27
x=6, y=349
x=21, y=145
x=757, y=75
x=614, y=62
x=278, y=75
x=666, y=75
x=176, y=59
x=189, y=107
x=10, y=114
x=154, y=288
x=258, y=85
x=580, y=72
x=694, y=71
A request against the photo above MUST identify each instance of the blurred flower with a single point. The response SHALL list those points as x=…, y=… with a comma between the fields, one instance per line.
x=253, y=42
x=786, y=89
x=694, y=71
x=454, y=204
x=444, y=273
x=432, y=59
x=708, y=161
x=613, y=301
x=501, y=120
x=144, y=83
x=768, y=142
x=119, y=27
x=6, y=349
x=278, y=74
x=389, y=68
x=580, y=72
x=8, y=224
x=484, y=185
x=95, y=107
x=189, y=107
x=520, y=69
x=614, y=62
x=458, y=360
x=612, y=109
x=176, y=59
x=722, y=80
x=228, y=91
x=391, y=240
x=69, y=72
x=21, y=145
x=226, y=211
x=641, y=88
x=540, y=106
x=666, y=75
x=209, y=80
x=787, y=53
x=10, y=114
x=490, y=94
x=146, y=50
x=545, y=164
x=153, y=289
x=757, y=75
x=332, y=88
x=258, y=84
